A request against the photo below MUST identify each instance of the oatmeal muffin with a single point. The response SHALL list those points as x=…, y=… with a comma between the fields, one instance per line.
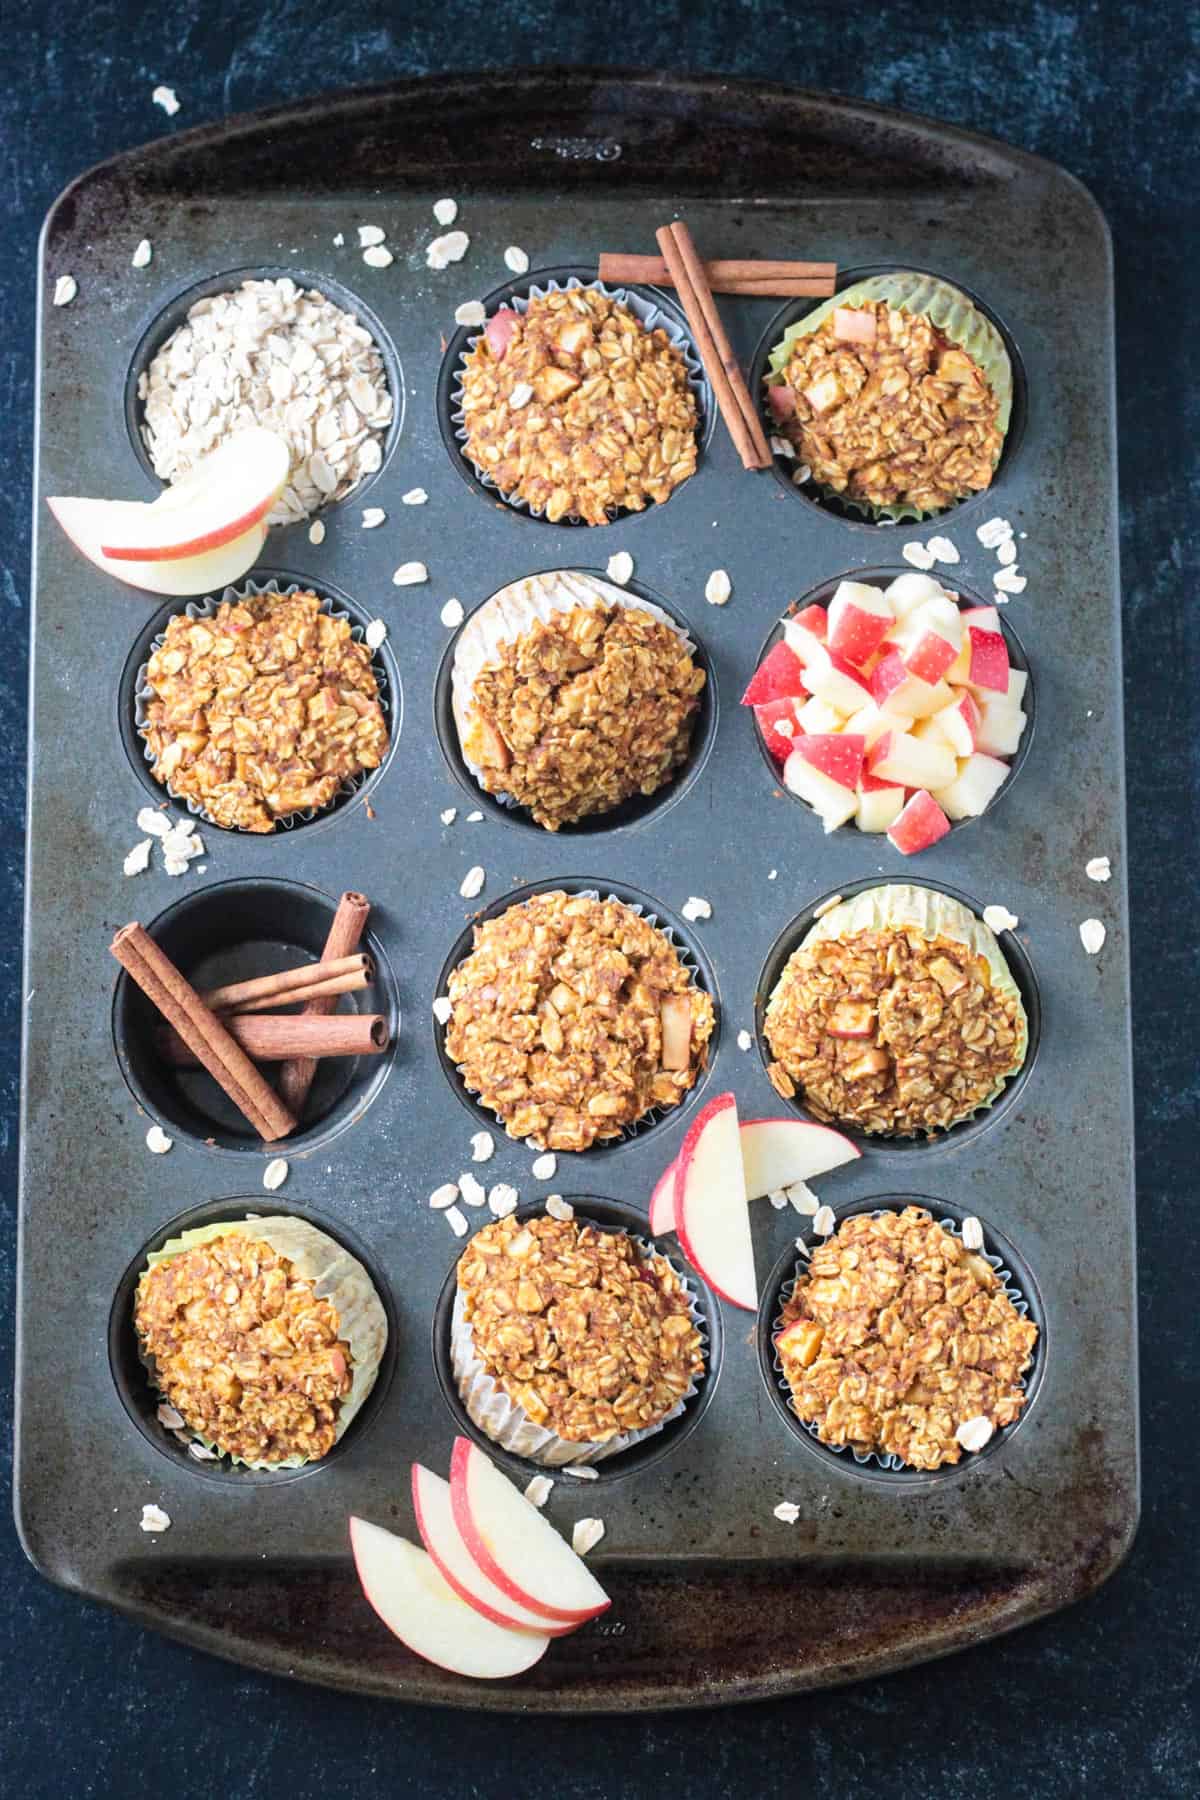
x=267, y=707
x=569, y=1342
x=897, y=1014
x=577, y=409
x=573, y=1017
x=263, y=1335
x=896, y=395
x=896, y=1338
x=570, y=696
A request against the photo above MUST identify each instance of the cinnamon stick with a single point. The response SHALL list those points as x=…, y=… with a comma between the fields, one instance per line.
x=726, y=275
x=288, y=986
x=318, y=990
x=274, y=1037
x=716, y=353
x=345, y=934
x=203, y=1033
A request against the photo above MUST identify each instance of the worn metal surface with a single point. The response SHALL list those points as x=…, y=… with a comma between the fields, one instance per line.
x=714, y=1599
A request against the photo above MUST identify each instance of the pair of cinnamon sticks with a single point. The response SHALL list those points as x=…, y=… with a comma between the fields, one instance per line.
x=224, y=1042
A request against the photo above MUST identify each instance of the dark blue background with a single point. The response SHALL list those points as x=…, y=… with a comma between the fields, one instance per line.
x=1103, y=1698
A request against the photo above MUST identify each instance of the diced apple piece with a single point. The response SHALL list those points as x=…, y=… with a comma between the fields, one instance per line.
x=675, y=1014
x=911, y=762
x=836, y=754
x=854, y=325
x=832, y=803
x=989, y=660
x=895, y=688
x=776, y=678
x=781, y=401
x=434, y=1509
x=879, y=806
x=823, y=393
x=801, y=1341
x=574, y=336
x=871, y=1062
x=911, y=590
x=818, y=716
x=500, y=330
x=1018, y=681
x=805, y=634
x=974, y=787
x=920, y=824
x=838, y=682
x=777, y=720
x=552, y=383
x=852, y=1019
x=1000, y=728
x=871, y=721
x=949, y=977
x=959, y=724
x=711, y=1214
x=859, y=619
x=488, y=745
x=983, y=618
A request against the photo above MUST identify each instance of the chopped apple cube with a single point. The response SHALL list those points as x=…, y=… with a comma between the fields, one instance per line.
x=859, y=619
x=895, y=688
x=879, y=805
x=920, y=824
x=911, y=590
x=837, y=682
x=989, y=659
x=778, y=723
x=806, y=634
x=974, y=787
x=500, y=330
x=781, y=401
x=1000, y=728
x=553, y=384
x=959, y=724
x=825, y=392
x=801, y=1341
x=852, y=1019
x=675, y=1015
x=837, y=754
x=818, y=716
x=912, y=762
x=832, y=802
x=871, y=1062
x=854, y=324
x=949, y=977
x=777, y=675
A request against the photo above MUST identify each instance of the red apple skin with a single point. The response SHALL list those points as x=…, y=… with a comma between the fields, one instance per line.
x=662, y=1203
x=930, y=657
x=880, y=749
x=547, y=1628
x=687, y=1151
x=837, y=754
x=779, y=743
x=777, y=677
x=463, y=1450
x=781, y=401
x=856, y=633
x=921, y=824
x=499, y=331
x=989, y=660
x=869, y=783
x=888, y=674
x=195, y=546
x=816, y=620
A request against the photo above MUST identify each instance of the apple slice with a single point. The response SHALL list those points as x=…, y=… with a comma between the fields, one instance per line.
x=226, y=493
x=444, y=1543
x=859, y=620
x=911, y=762
x=879, y=805
x=837, y=754
x=920, y=824
x=711, y=1214
x=832, y=802
x=778, y=1152
x=973, y=789
x=662, y=1203
x=777, y=720
x=206, y=573
x=989, y=659
x=776, y=678
x=415, y=1603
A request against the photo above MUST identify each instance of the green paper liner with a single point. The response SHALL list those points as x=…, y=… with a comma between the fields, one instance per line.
x=951, y=311
x=335, y=1275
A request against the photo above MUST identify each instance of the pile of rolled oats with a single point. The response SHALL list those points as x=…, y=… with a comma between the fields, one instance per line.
x=272, y=354
x=896, y=1337
x=585, y=1332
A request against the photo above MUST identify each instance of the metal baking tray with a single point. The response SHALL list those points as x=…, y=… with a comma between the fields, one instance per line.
x=714, y=1599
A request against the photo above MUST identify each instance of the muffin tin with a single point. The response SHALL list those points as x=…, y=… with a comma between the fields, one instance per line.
x=714, y=1598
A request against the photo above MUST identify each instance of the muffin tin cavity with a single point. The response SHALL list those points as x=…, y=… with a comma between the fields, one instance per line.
x=910, y=868
x=1019, y=1284
x=1023, y=974
x=639, y=809
x=651, y=305
x=141, y=1399
x=847, y=511
x=228, y=933
x=174, y=314
x=608, y=1215
x=132, y=691
x=691, y=954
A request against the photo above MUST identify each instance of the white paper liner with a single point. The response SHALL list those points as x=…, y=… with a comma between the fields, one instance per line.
x=647, y=311
x=207, y=609
x=655, y=1113
x=892, y=1463
x=509, y=1425
x=510, y=613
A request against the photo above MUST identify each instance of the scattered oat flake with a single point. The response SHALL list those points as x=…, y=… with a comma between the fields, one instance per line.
x=718, y=587
x=375, y=633
x=787, y=1512
x=456, y=1219
x=585, y=1535
x=559, y=1209
x=1006, y=552
x=157, y=824
x=998, y=918
x=516, y=259
x=474, y=818
x=449, y=816
x=772, y=874
x=744, y=1040
x=1008, y=581
x=801, y=475
x=409, y=574
x=414, y=497
x=696, y=908
x=802, y=1247
x=801, y=1196
x=142, y=255
x=538, y=1491
x=65, y=290
x=521, y=395
x=275, y=1173
x=452, y=614
x=155, y=1519
x=168, y=1417
x=483, y=1146
x=339, y=239
x=472, y=882
x=581, y=1471
x=370, y=234
x=167, y=98
x=972, y=1233
x=158, y=1141
x=175, y=865
x=827, y=906
x=973, y=1434
x=919, y=555
x=942, y=550
x=994, y=532
x=442, y=1009
x=502, y=1200
x=1099, y=869
x=544, y=1167
x=316, y=532
x=444, y=1196
x=778, y=1198
x=471, y=312
x=1092, y=935
x=472, y=1189
x=781, y=446
x=620, y=567
x=824, y=1221
x=200, y=1452
x=445, y=211
x=378, y=257
x=138, y=860
x=450, y=247
x=373, y=517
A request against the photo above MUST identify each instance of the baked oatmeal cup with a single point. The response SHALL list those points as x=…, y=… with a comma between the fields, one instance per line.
x=571, y=697
x=573, y=1018
x=262, y=708
x=900, y=1344
x=571, y=1342
x=571, y=403
x=263, y=1336
x=897, y=1015
x=895, y=395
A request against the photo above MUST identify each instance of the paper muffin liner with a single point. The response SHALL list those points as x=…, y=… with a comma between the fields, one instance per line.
x=335, y=1275
x=897, y=906
x=645, y=310
x=207, y=608
x=507, y=1423
x=954, y=314
x=874, y=1459
x=510, y=613
x=655, y=1114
